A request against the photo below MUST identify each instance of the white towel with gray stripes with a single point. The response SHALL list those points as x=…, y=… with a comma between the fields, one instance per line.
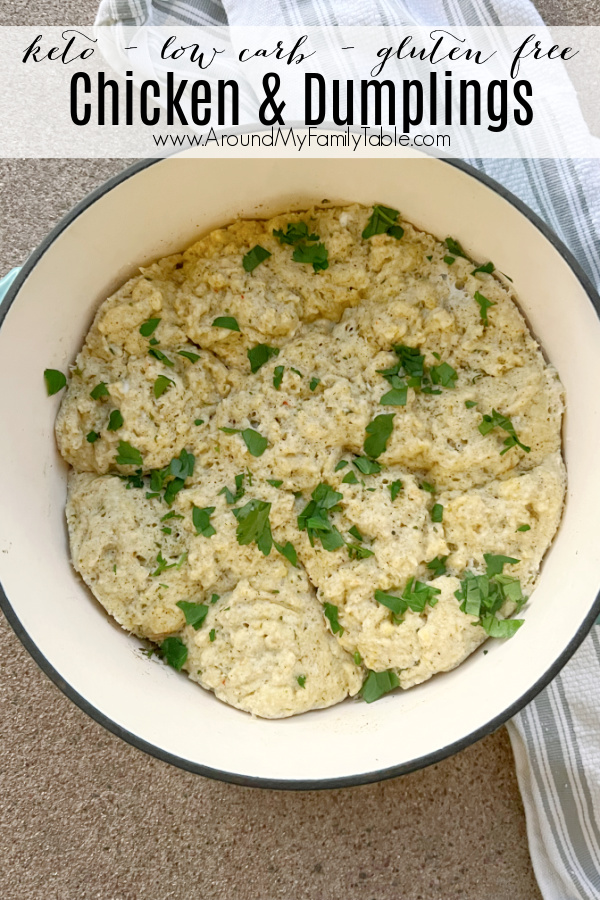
x=556, y=738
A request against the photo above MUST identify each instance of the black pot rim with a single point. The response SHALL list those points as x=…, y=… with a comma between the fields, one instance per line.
x=274, y=783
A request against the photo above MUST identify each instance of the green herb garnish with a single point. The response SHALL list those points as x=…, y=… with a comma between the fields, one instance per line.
x=331, y=613
x=275, y=482
x=524, y=528
x=158, y=354
x=437, y=566
x=497, y=420
x=314, y=382
x=259, y=355
x=444, y=374
x=395, y=487
x=91, y=437
x=295, y=233
x=341, y=465
x=315, y=255
x=350, y=478
x=301, y=679
x=449, y=260
x=437, y=512
x=455, y=248
x=149, y=327
x=366, y=466
x=314, y=518
x=377, y=684
x=277, y=376
x=383, y=221
x=470, y=403
x=289, y=551
x=240, y=490
x=484, y=305
x=357, y=658
x=99, y=391
x=486, y=269
x=128, y=455
x=378, y=433
x=115, y=420
x=253, y=525
x=195, y=613
x=174, y=651
x=193, y=357
x=162, y=384
x=212, y=635
x=201, y=520
x=55, y=381
x=254, y=258
x=226, y=322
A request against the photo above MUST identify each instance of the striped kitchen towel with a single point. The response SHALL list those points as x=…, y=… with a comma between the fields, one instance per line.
x=556, y=738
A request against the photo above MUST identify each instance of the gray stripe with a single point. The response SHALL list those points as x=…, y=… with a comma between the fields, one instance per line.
x=532, y=746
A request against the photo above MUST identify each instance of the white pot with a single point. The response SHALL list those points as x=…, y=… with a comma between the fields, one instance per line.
x=149, y=211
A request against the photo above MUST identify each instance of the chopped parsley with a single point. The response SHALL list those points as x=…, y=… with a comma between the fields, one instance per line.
x=128, y=455
x=484, y=595
x=289, y=551
x=226, y=322
x=295, y=233
x=331, y=614
x=115, y=420
x=314, y=518
x=484, y=305
x=99, y=391
x=366, y=466
x=395, y=487
x=470, y=403
x=214, y=598
x=277, y=376
x=55, y=381
x=383, y=220
x=254, y=258
x=193, y=357
x=198, y=421
x=171, y=515
x=201, y=520
x=212, y=635
x=173, y=477
x=255, y=442
x=396, y=604
x=378, y=433
x=341, y=465
x=397, y=396
x=149, y=327
x=355, y=533
x=487, y=269
x=240, y=490
x=377, y=684
x=160, y=356
x=275, y=482
x=162, y=384
x=410, y=371
x=315, y=255
x=449, y=260
x=91, y=437
x=166, y=530
x=497, y=420
x=417, y=595
x=426, y=486
x=253, y=525
x=259, y=355
x=314, y=382
x=350, y=478
x=357, y=551
x=524, y=528
x=161, y=565
x=357, y=658
x=444, y=374
x=455, y=248
x=437, y=566
x=195, y=613
x=437, y=512
x=301, y=679
x=174, y=651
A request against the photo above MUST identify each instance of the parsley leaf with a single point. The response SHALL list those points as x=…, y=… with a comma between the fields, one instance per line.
x=396, y=604
x=449, y=260
x=212, y=635
x=331, y=613
x=301, y=679
x=275, y=482
x=497, y=420
x=162, y=565
x=158, y=354
x=484, y=305
x=201, y=520
x=395, y=487
x=55, y=381
x=455, y=248
x=437, y=566
x=128, y=455
x=357, y=658
x=382, y=219
x=174, y=651
x=316, y=255
x=341, y=465
x=193, y=357
x=226, y=322
x=240, y=490
x=417, y=595
x=92, y=436
x=437, y=512
x=377, y=684
x=398, y=394
x=254, y=258
x=277, y=376
x=314, y=382
x=171, y=515
x=350, y=478
x=426, y=486
x=500, y=628
x=255, y=442
x=115, y=420
x=444, y=374
x=259, y=355
x=289, y=551
x=524, y=528
x=195, y=613
x=470, y=403
x=99, y=391
x=295, y=233
x=149, y=327
x=162, y=384
x=356, y=551
x=254, y=525
x=486, y=269
x=314, y=518
x=366, y=466
x=484, y=595
x=495, y=564
x=378, y=433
